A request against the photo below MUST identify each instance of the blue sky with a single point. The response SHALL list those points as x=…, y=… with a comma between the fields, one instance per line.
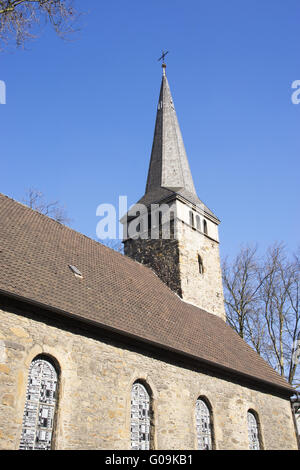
x=79, y=119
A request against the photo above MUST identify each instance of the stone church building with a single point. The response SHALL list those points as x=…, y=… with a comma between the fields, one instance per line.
x=100, y=350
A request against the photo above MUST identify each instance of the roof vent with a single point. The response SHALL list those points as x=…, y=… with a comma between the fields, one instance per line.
x=75, y=271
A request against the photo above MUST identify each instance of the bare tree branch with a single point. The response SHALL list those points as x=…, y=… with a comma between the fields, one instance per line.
x=19, y=19
x=36, y=200
x=262, y=304
x=114, y=244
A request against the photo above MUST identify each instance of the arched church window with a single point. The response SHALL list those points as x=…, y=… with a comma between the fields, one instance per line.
x=198, y=222
x=140, y=417
x=205, y=226
x=41, y=401
x=200, y=263
x=253, y=431
x=203, y=425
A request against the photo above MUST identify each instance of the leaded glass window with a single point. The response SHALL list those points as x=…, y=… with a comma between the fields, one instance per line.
x=40, y=406
x=253, y=432
x=140, y=417
x=203, y=425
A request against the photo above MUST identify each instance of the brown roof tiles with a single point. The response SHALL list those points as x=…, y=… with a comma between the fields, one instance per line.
x=115, y=291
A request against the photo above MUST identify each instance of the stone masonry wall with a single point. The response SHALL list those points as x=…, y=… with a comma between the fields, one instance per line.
x=94, y=393
x=160, y=255
x=204, y=290
x=175, y=261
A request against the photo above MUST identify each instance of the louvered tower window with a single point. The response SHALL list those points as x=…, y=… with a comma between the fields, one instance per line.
x=40, y=406
x=140, y=417
x=253, y=431
x=203, y=424
x=192, y=221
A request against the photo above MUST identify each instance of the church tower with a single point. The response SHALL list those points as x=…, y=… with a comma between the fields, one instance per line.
x=170, y=229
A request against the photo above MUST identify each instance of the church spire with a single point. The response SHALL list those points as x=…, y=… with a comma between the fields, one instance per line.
x=185, y=257
x=169, y=167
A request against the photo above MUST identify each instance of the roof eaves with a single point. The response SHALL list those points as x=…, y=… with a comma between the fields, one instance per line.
x=286, y=390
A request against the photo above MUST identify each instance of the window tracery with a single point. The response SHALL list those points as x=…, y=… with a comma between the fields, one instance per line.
x=203, y=425
x=253, y=431
x=38, y=418
x=140, y=417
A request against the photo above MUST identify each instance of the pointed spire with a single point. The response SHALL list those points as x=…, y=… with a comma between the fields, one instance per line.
x=169, y=172
x=169, y=167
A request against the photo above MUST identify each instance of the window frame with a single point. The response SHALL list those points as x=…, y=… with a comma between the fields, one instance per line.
x=259, y=441
x=145, y=387
x=44, y=402
x=208, y=407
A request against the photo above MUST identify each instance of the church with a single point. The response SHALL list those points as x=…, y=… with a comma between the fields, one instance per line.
x=100, y=350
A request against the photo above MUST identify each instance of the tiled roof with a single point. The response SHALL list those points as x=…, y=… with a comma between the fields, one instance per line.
x=114, y=291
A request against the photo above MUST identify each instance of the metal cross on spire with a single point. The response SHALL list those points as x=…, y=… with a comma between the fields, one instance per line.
x=163, y=57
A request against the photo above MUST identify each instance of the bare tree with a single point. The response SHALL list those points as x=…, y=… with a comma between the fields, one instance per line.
x=241, y=285
x=36, y=200
x=19, y=19
x=114, y=244
x=262, y=305
x=274, y=305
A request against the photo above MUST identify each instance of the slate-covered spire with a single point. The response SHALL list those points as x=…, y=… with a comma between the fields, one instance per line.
x=169, y=167
x=169, y=172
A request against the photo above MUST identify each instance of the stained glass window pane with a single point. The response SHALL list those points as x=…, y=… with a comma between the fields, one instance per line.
x=203, y=425
x=253, y=432
x=39, y=407
x=140, y=418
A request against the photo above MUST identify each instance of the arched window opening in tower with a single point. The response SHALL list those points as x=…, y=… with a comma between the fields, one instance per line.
x=192, y=222
x=172, y=225
x=198, y=222
x=203, y=425
x=40, y=406
x=149, y=224
x=140, y=417
x=205, y=227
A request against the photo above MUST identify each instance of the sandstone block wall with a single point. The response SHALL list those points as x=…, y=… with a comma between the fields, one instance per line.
x=95, y=382
x=204, y=290
x=175, y=261
x=160, y=255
